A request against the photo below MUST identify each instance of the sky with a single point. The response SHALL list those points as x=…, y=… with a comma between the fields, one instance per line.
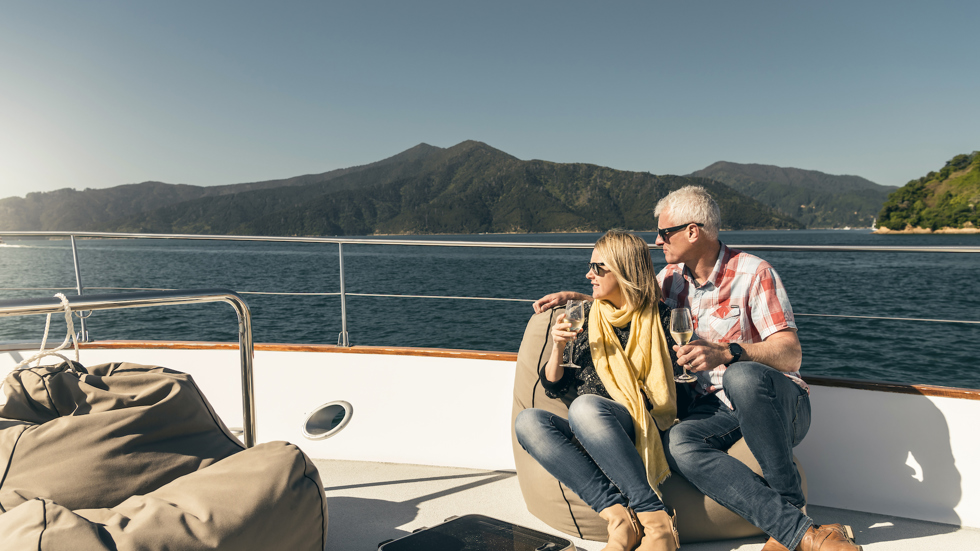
x=102, y=93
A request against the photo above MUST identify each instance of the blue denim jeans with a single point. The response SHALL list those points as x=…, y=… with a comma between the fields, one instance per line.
x=772, y=413
x=591, y=452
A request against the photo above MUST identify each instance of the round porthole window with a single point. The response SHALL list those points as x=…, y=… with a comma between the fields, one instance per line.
x=327, y=420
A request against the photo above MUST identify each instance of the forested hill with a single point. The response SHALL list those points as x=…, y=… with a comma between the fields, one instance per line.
x=945, y=199
x=816, y=199
x=70, y=209
x=467, y=188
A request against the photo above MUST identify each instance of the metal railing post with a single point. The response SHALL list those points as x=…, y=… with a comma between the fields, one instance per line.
x=90, y=303
x=343, y=339
x=82, y=333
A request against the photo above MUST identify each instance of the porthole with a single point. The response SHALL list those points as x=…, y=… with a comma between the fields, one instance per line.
x=327, y=420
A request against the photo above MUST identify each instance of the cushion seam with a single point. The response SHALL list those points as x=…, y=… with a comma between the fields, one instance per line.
x=534, y=390
x=10, y=461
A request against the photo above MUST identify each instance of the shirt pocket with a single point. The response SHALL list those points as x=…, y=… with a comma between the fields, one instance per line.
x=724, y=322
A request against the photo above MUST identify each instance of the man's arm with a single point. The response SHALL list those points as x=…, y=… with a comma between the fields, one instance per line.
x=555, y=300
x=781, y=351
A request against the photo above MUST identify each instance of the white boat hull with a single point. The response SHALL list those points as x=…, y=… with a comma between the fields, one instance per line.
x=885, y=452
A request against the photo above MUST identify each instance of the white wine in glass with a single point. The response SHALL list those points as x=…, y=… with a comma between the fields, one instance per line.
x=682, y=329
x=575, y=315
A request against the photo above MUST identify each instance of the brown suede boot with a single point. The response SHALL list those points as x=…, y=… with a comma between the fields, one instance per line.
x=826, y=537
x=624, y=530
x=659, y=532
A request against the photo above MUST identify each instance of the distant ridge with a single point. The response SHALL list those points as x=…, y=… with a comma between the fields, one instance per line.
x=468, y=188
x=816, y=199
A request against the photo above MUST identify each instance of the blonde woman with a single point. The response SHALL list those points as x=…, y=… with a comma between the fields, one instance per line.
x=609, y=450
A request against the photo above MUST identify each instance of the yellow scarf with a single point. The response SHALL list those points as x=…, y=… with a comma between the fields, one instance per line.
x=643, y=367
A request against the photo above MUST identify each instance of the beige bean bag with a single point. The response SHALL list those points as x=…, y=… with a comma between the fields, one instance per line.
x=125, y=456
x=267, y=497
x=699, y=518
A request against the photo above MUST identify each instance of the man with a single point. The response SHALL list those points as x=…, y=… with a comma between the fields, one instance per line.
x=746, y=357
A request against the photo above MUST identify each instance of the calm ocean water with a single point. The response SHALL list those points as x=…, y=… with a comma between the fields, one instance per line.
x=904, y=285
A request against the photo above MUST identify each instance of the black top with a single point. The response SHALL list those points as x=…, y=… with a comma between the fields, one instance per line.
x=586, y=380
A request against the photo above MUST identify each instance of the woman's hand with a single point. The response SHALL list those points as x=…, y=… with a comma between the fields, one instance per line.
x=560, y=333
x=561, y=336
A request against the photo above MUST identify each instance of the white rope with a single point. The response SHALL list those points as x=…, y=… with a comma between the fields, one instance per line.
x=69, y=338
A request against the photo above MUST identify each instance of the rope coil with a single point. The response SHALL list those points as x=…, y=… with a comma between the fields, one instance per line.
x=70, y=338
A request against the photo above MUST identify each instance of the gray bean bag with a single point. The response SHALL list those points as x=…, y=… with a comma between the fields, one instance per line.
x=699, y=518
x=125, y=456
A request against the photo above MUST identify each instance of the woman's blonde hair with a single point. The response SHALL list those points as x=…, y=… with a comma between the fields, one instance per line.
x=627, y=256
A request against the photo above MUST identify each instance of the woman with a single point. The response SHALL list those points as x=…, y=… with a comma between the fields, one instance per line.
x=608, y=451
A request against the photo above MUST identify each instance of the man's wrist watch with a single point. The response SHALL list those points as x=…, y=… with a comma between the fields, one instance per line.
x=736, y=351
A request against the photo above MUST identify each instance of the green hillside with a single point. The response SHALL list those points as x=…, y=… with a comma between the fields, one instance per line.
x=816, y=199
x=91, y=209
x=468, y=188
x=948, y=198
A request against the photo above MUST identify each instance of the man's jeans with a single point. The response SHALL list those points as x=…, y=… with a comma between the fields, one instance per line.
x=772, y=413
x=606, y=469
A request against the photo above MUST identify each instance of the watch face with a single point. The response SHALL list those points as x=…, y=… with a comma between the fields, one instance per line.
x=736, y=352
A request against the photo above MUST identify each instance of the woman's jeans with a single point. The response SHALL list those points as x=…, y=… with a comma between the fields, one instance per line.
x=772, y=413
x=605, y=469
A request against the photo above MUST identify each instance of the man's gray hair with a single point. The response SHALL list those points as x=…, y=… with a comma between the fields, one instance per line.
x=692, y=204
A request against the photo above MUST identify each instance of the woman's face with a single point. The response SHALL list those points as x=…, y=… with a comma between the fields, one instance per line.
x=605, y=286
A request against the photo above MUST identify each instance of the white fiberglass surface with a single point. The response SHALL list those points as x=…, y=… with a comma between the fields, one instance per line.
x=885, y=453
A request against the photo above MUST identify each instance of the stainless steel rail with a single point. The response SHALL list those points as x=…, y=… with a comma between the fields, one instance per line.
x=82, y=333
x=344, y=339
x=483, y=244
x=24, y=307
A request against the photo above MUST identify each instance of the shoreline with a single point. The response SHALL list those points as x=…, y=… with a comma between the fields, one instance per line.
x=926, y=231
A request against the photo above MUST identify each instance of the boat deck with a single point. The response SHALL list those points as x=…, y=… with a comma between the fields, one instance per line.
x=370, y=502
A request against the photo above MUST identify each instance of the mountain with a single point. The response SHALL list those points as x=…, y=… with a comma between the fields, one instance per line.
x=944, y=199
x=467, y=188
x=91, y=209
x=816, y=199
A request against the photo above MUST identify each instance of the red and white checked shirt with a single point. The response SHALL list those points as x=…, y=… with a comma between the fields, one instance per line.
x=743, y=300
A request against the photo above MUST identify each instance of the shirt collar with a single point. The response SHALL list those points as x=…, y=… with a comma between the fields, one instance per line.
x=714, y=278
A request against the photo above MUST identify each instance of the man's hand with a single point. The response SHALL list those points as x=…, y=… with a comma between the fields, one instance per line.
x=555, y=300
x=702, y=355
x=781, y=351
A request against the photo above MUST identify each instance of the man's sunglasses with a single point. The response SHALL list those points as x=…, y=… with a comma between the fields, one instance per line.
x=598, y=267
x=664, y=232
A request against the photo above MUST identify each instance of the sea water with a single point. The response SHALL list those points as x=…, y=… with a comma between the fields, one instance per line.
x=939, y=286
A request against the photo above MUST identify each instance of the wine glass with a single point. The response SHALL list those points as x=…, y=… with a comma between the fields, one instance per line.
x=574, y=314
x=682, y=330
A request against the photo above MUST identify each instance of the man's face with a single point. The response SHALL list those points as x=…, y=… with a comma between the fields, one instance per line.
x=677, y=244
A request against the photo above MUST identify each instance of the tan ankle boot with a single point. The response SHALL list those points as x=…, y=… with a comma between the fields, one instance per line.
x=624, y=530
x=659, y=532
x=827, y=537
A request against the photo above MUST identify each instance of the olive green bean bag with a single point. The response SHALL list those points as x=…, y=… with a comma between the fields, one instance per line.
x=699, y=518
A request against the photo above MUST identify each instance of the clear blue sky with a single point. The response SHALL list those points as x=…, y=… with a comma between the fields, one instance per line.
x=103, y=93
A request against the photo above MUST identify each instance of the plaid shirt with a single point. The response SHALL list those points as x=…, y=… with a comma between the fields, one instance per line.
x=743, y=300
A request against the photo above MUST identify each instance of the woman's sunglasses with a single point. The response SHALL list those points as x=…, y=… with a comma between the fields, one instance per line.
x=598, y=267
